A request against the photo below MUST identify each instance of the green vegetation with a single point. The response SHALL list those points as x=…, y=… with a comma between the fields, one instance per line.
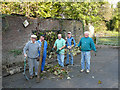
x=109, y=33
x=16, y=52
x=57, y=71
x=50, y=37
x=108, y=41
x=100, y=14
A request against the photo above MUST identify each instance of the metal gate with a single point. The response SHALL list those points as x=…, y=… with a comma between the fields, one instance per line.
x=107, y=39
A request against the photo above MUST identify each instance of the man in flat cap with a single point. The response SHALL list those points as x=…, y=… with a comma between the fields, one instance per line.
x=87, y=44
x=42, y=39
x=32, y=47
x=70, y=42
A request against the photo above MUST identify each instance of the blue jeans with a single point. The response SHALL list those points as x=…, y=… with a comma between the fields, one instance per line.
x=60, y=58
x=71, y=60
x=85, y=56
x=33, y=62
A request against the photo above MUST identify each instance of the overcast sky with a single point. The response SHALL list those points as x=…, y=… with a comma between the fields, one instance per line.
x=114, y=2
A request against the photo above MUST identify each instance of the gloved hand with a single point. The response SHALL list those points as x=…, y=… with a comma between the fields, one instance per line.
x=52, y=50
x=57, y=51
x=76, y=46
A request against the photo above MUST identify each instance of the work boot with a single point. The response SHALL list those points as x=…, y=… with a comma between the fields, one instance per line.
x=66, y=64
x=72, y=64
x=36, y=75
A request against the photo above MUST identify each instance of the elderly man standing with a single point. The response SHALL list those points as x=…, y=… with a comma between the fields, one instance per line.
x=32, y=47
x=87, y=45
x=60, y=44
x=69, y=44
x=42, y=39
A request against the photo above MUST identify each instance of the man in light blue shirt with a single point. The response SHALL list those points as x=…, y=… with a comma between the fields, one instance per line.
x=60, y=44
x=70, y=43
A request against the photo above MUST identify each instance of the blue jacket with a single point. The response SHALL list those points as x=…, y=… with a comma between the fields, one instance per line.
x=45, y=47
x=69, y=41
x=87, y=44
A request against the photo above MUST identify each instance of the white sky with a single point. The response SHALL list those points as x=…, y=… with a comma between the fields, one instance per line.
x=114, y=2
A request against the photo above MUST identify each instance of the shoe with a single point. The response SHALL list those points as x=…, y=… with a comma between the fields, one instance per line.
x=66, y=64
x=87, y=71
x=82, y=70
x=72, y=64
x=35, y=75
x=31, y=77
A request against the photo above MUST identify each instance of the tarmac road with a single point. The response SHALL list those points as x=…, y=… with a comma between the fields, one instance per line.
x=104, y=69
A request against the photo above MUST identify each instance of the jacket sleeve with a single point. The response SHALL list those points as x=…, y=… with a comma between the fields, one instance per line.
x=66, y=43
x=79, y=43
x=46, y=44
x=25, y=48
x=93, y=45
x=74, y=42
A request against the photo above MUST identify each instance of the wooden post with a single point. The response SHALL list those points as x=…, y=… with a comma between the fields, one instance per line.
x=40, y=62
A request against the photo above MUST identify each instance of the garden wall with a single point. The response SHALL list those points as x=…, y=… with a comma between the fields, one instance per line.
x=15, y=35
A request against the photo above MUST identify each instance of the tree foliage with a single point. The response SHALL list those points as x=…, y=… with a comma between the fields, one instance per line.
x=89, y=12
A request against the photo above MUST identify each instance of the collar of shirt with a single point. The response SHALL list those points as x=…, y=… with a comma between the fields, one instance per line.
x=70, y=37
x=32, y=42
x=60, y=39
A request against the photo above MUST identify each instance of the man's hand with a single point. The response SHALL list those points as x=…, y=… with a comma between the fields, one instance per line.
x=60, y=48
x=91, y=51
x=69, y=47
x=95, y=53
x=25, y=55
x=72, y=46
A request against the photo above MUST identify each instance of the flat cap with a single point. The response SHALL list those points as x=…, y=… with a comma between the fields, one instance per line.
x=69, y=32
x=33, y=36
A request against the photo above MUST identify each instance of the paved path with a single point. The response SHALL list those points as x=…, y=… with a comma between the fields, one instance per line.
x=104, y=67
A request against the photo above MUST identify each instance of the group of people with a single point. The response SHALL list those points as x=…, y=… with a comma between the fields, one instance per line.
x=33, y=47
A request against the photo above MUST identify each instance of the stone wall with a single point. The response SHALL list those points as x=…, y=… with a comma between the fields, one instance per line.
x=15, y=35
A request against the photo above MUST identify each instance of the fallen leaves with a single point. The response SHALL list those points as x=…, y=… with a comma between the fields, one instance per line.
x=55, y=73
x=56, y=70
x=93, y=77
x=99, y=82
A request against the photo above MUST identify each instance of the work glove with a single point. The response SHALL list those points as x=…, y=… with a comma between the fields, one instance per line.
x=57, y=51
x=52, y=49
